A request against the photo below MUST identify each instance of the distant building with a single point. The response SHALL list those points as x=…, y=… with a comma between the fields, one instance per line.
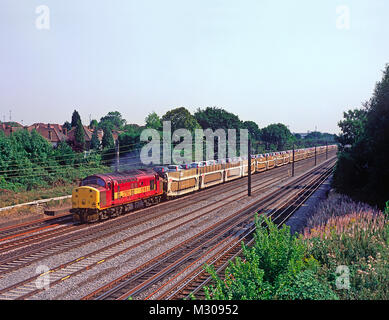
x=53, y=133
x=115, y=134
x=71, y=136
x=10, y=127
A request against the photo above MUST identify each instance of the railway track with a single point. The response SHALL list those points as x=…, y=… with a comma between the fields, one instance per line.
x=195, y=281
x=26, y=289
x=224, y=233
x=38, y=225
x=19, y=259
x=39, y=234
x=30, y=227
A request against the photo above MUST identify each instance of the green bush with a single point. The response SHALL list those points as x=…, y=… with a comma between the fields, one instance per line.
x=28, y=161
x=305, y=286
x=342, y=232
x=281, y=266
x=386, y=210
x=275, y=267
x=362, y=246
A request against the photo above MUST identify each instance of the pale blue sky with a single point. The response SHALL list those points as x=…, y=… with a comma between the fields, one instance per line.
x=267, y=61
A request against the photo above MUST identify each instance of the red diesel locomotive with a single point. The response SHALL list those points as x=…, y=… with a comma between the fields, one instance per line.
x=103, y=196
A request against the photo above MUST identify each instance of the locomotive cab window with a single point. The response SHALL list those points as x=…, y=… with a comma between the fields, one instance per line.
x=93, y=181
x=151, y=184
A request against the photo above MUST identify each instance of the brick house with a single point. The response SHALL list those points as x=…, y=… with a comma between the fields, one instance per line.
x=10, y=127
x=53, y=133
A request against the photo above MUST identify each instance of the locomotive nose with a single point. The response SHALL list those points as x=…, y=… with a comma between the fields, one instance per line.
x=85, y=198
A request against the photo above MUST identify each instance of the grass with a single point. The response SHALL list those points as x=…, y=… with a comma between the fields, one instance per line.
x=337, y=205
x=354, y=235
x=32, y=210
x=342, y=254
x=10, y=198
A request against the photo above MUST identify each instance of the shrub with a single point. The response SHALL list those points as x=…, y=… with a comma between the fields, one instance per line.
x=358, y=240
x=29, y=162
x=276, y=267
x=305, y=286
x=280, y=266
x=386, y=210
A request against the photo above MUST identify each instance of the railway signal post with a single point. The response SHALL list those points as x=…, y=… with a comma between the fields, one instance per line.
x=326, y=150
x=117, y=155
x=249, y=170
x=293, y=163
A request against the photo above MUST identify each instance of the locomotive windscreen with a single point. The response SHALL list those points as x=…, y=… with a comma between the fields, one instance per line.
x=93, y=181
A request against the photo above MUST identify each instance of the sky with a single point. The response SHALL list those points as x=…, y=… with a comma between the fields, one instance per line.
x=301, y=63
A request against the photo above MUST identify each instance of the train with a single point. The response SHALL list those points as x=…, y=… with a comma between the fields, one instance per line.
x=102, y=196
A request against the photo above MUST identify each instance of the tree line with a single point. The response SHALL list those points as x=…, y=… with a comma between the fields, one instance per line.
x=362, y=169
x=28, y=161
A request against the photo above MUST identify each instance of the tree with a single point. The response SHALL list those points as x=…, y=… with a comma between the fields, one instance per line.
x=67, y=125
x=217, y=118
x=314, y=135
x=95, y=142
x=153, y=121
x=64, y=153
x=114, y=119
x=28, y=161
x=362, y=171
x=254, y=131
x=352, y=126
x=181, y=118
x=79, y=138
x=93, y=124
x=107, y=141
x=75, y=119
x=276, y=136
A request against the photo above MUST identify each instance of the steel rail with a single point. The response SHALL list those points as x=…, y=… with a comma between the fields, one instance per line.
x=62, y=243
x=300, y=178
x=227, y=255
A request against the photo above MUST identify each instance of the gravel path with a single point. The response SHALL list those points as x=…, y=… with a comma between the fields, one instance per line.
x=299, y=219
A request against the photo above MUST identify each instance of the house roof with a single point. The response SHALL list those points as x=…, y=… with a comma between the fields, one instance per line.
x=8, y=129
x=87, y=134
x=51, y=132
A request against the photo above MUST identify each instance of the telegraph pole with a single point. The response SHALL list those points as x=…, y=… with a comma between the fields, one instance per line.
x=117, y=154
x=315, y=156
x=293, y=163
x=326, y=150
x=249, y=172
